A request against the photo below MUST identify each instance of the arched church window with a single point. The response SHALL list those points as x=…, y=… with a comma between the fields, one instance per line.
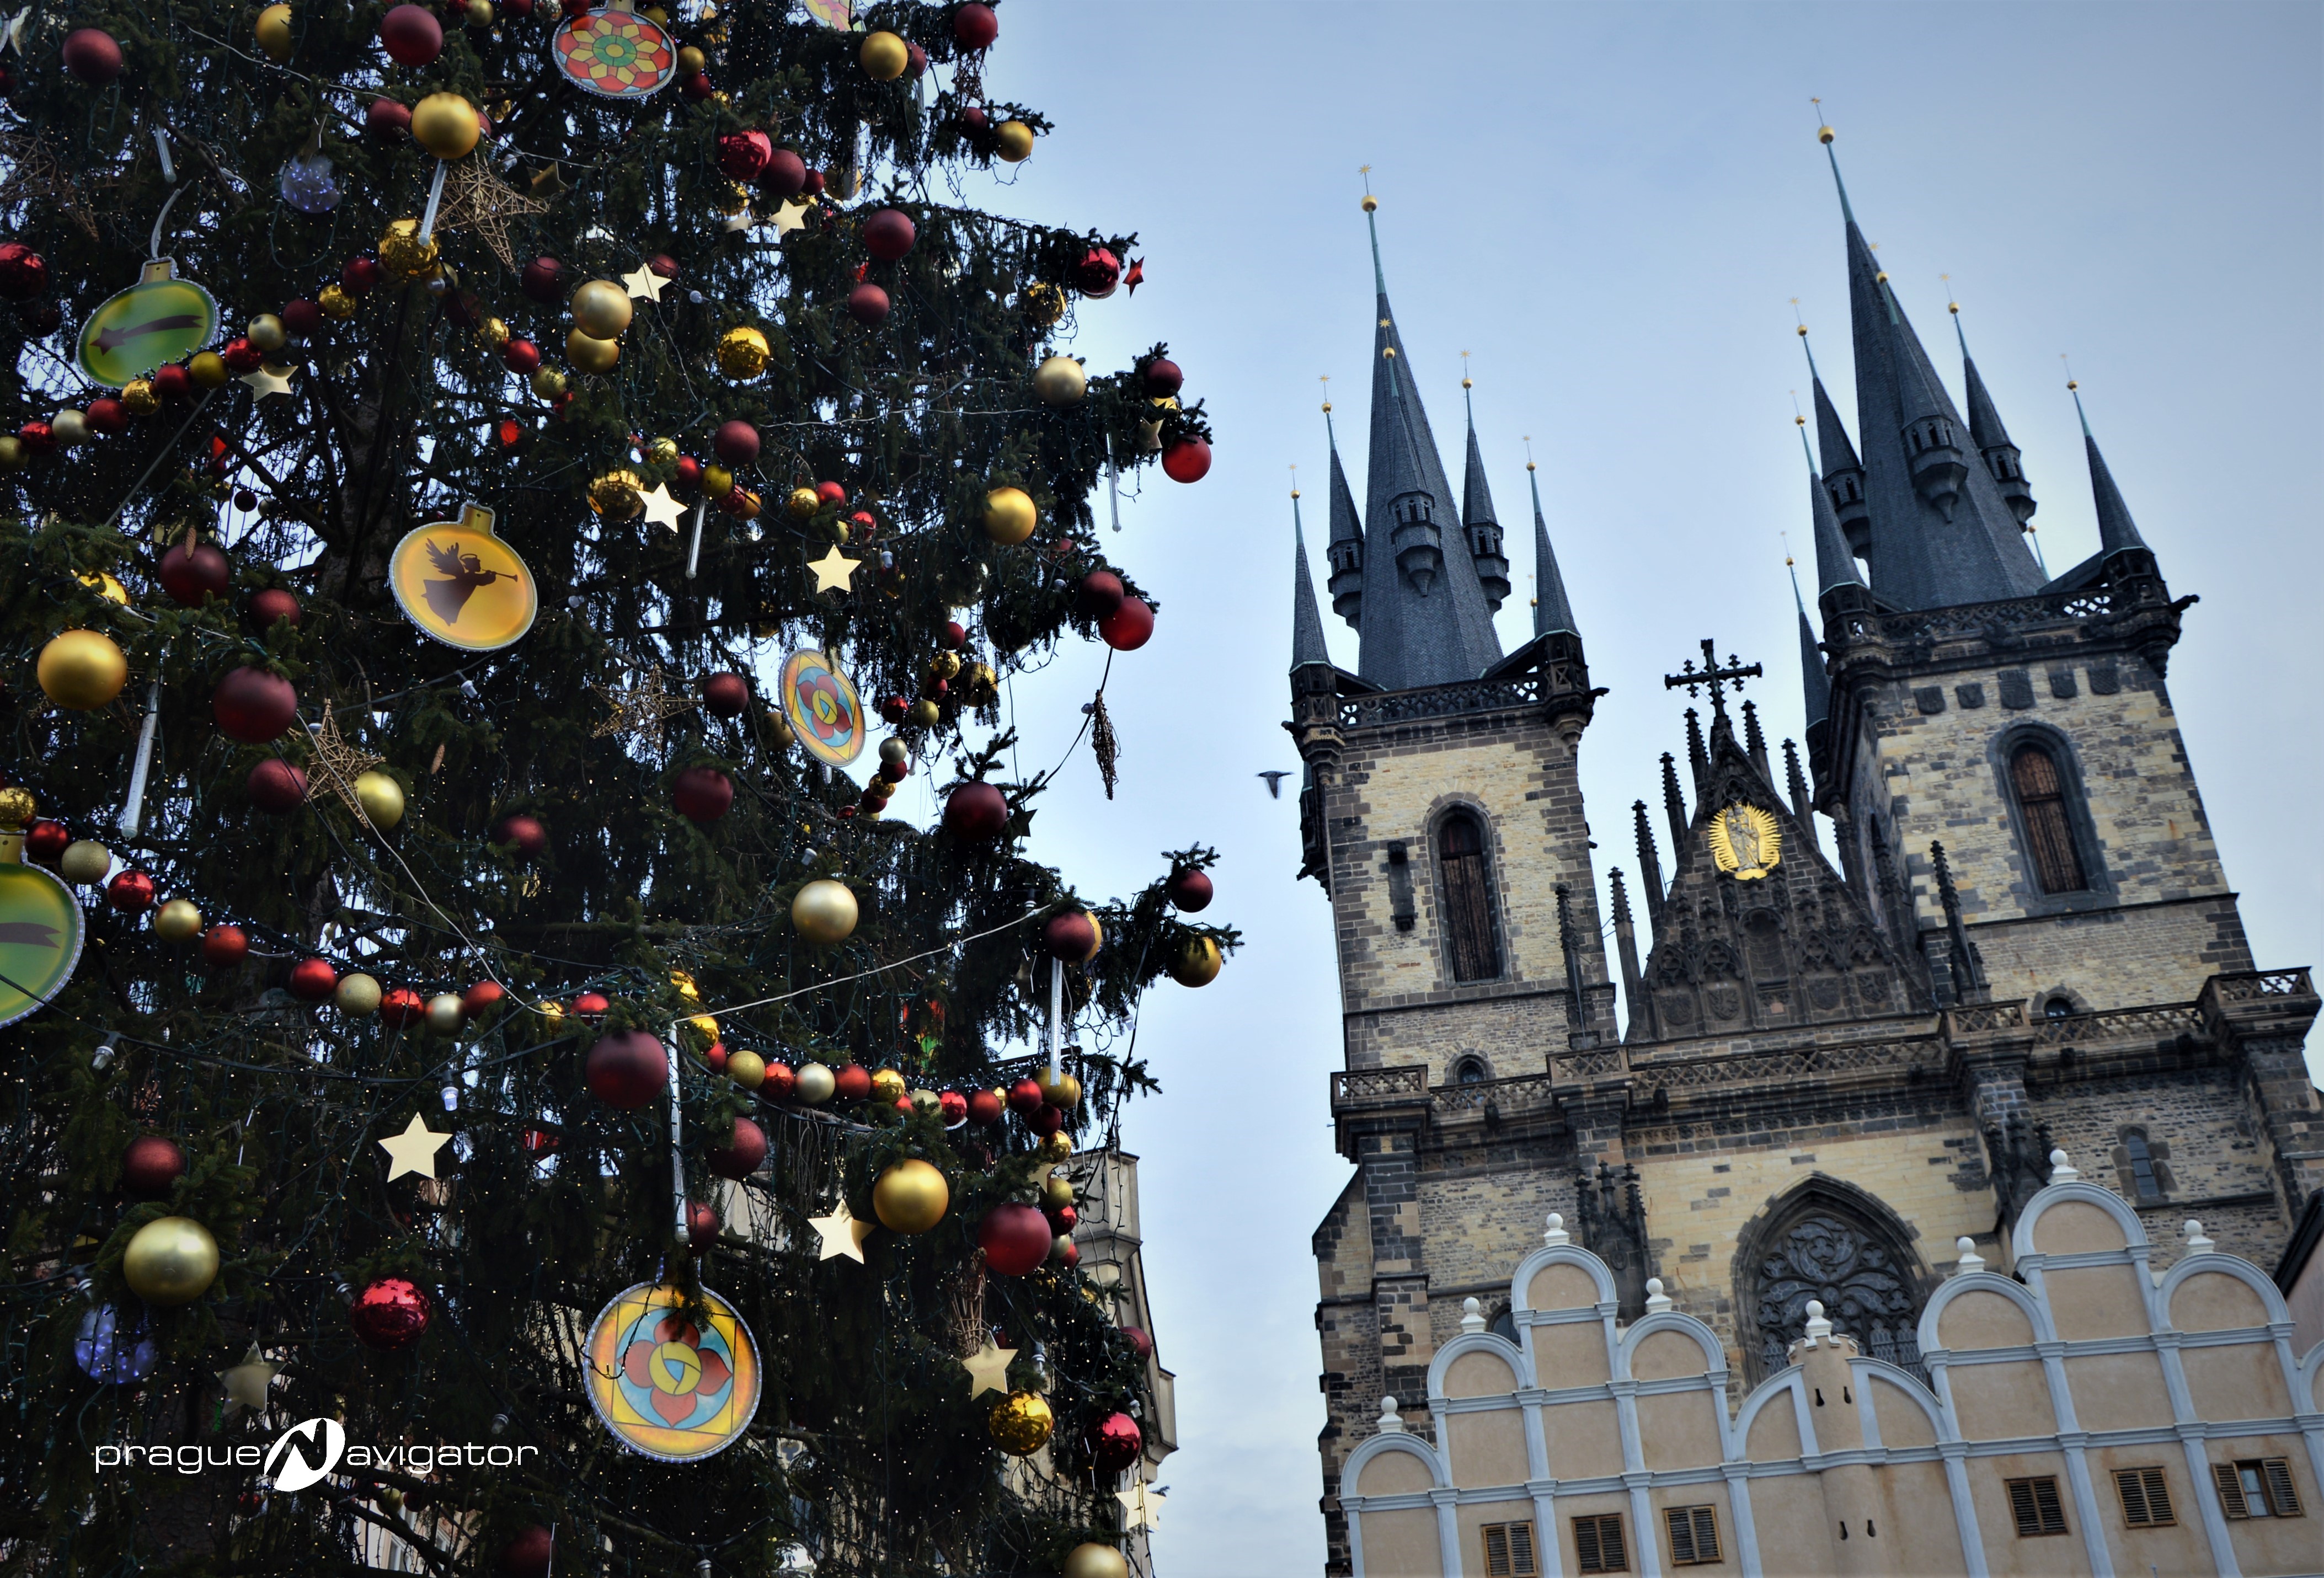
x=1469, y=1071
x=1468, y=898
x=1865, y=1281
x=2041, y=786
x=2058, y=1007
x=1763, y=946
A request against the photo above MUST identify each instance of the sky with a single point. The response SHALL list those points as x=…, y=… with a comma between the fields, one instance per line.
x=1613, y=207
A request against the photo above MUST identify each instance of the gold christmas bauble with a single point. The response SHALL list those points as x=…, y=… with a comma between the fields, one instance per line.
x=779, y=730
x=662, y=451
x=12, y=453
x=1056, y=1192
x=380, y=798
x=170, y=1262
x=1060, y=381
x=85, y=861
x=547, y=383
x=691, y=61
x=272, y=31
x=68, y=426
x=81, y=669
x=1043, y=303
x=979, y=684
x=743, y=352
x=924, y=715
x=911, y=1196
x=1008, y=514
x=943, y=665
x=601, y=309
x=816, y=1084
x=446, y=125
x=480, y=13
x=177, y=921
x=1055, y=1148
x=1062, y=1092
x=824, y=911
x=717, y=480
x=1012, y=140
x=206, y=369
x=803, y=502
x=402, y=252
x=747, y=1069
x=356, y=994
x=267, y=332
x=16, y=806
x=493, y=333
x=886, y=1087
x=1197, y=964
x=446, y=1013
x=140, y=397
x=884, y=55
x=1021, y=1422
x=591, y=354
x=106, y=585
x=704, y=1026
x=1091, y=1560
x=618, y=494
x=335, y=303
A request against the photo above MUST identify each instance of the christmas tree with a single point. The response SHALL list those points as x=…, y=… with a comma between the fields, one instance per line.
x=485, y=474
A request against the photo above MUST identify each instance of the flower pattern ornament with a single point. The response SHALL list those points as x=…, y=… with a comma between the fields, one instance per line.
x=677, y=1374
x=669, y=1383
x=615, y=53
x=822, y=707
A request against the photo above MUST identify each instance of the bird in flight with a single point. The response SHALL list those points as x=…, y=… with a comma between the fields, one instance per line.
x=1275, y=784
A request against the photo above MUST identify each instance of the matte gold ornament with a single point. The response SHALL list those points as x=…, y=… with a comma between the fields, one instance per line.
x=884, y=55
x=1746, y=842
x=1063, y=1092
x=600, y=309
x=1092, y=1560
x=910, y=1196
x=1009, y=515
x=68, y=427
x=717, y=480
x=401, y=251
x=177, y=921
x=1060, y=381
x=1197, y=964
x=1012, y=141
x=446, y=1013
x=1021, y=1422
x=446, y=125
x=413, y=1151
x=618, y=494
x=1056, y=1192
x=357, y=995
x=267, y=332
x=824, y=911
x=85, y=861
x=81, y=669
x=206, y=369
x=590, y=353
x=380, y=798
x=170, y=1262
x=12, y=453
x=547, y=383
x=272, y=32
x=744, y=352
x=816, y=1084
x=747, y=1069
x=692, y=61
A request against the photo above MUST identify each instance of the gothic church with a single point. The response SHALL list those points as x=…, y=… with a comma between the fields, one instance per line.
x=1829, y=1085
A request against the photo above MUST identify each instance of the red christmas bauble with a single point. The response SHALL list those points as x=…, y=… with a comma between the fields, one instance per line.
x=402, y=1007
x=918, y=58
x=361, y=276
x=521, y=357
x=739, y=1157
x=390, y=1313
x=716, y=1057
x=192, y=573
x=411, y=35
x=1163, y=377
x=313, y=980
x=737, y=443
x=592, y=1005
x=725, y=695
x=983, y=1107
x=852, y=1082
x=627, y=1069
x=1048, y=1120
x=954, y=636
x=254, y=707
x=702, y=794
x=483, y=995
x=1127, y=627
x=702, y=1225
x=974, y=27
x=785, y=175
x=107, y=415
x=302, y=317
x=831, y=492
x=1098, y=272
x=93, y=55
x=1065, y=1251
x=1072, y=936
x=814, y=185
x=1025, y=1097
x=663, y=265
x=895, y=772
x=696, y=87
x=241, y=356
x=46, y=839
x=953, y=1107
x=531, y=1553
x=172, y=381
x=1014, y=1238
x=1064, y=1219
x=1139, y=1340
x=868, y=305
x=976, y=811
x=894, y=708
x=888, y=235
x=224, y=947
x=543, y=280
x=1115, y=1442
x=1099, y=594
x=974, y=118
x=386, y=119
x=23, y=272
x=269, y=604
x=743, y=155
x=1189, y=889
x=1186, y=460
x=524, y=831
x=782, y=1081
x=151, y=1164
x=130, y=892
x=689, y=473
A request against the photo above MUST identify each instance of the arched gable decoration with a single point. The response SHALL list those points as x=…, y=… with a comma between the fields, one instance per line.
x=1828, y=1241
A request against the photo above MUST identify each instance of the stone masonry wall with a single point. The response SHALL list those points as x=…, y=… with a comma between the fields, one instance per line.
x=2198, y=1128
x=2110, y=958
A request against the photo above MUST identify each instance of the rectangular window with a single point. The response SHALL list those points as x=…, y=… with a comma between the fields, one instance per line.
x=1694, y=1534
x=2256, y=1487
x=1509, y=1550
x=2034, y=1504
x=1599, y=1543
x=2146, y=1497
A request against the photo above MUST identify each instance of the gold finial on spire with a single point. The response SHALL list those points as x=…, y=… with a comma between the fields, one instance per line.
x=1466, y=381
x=1528, y=444
x=1295, y=479
x=2071, y=384
x=1787, y=548
x=1799, y=320
x=1797, y=420
x=1327, y=393
x=1951, y=306
x=1823, y=131
x=1371, y=202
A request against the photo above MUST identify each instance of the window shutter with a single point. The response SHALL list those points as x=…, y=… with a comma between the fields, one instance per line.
x=2045, y=1501
x=1585, y=1545
x=1497, y=1550
x=2282, y=1498
x=1681, y=1528
x=2021, y=1507
x=1706, y=1535
x=2130, y=1485
x=1521, y=1562
x=2049, y=830
x=2157, y=1487
x=1609, y=1538
x=2230, y=1487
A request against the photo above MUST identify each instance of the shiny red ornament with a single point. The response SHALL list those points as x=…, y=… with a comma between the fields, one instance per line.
x=785, y=175
x=1064, y=1219
x=592, y=1006
x=1048, y=1120
x=270, y=603
x=106, y=415
x=192, y=573
x=1025, y=1097
x=918, y=58
x=954, y=636
x=1099, y=594
x=386, y=119
x=402, y=1007
x=739, y=1157
x=1189, y=889
x=782, y=1082
x=151, y=1164
x=983, y=1107
x=130, y=892
x=725, y=695
x=627, y=1069
x=974, y=27
x=1071, y=936
x=1186, y=460
x=1127, y=627
x=1014, y=1238
x=1115, y=1442
x=93, y=55
x=1065, y=1251
x=172, y=381
x=888, y=235
x=361, y=276
x=702, y=1225
x=241, y=356
x=868, y=305
x=975, y=811
x=1135, y=277
x=736, y=442
x=895, y=772
x=744, y=155
x=46, y=838
x=852, y=1082
x=313, y=980
x=716, y=1058
x=390, y=1313
x=411, y=35
x=253, y=706
x=302, y=317
x=483, y=995
x=524, y=831
x=953, y=1107
x=23, y=272
x=531, y=1554
x=224, y=947
x=689, y=475
x=543, y=280
x=521, y=357
x=1163, y=377
x=831, y=492
x=814, y=185
x=696, y=87
x=894, y=708
x=663, y=265
x=1097, y=273
x=702, y=794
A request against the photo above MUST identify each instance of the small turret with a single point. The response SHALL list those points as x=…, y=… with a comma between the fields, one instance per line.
x=1992, y=440
x=1933, y=453
x=1417, y=535
x=1477, y=519
x=1552, y=611
x=1307, y=648
x=1345, y=552
x=1844, y=473
x=2121, y=548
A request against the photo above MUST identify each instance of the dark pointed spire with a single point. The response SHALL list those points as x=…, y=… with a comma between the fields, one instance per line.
x=1345, y=551
x=2002, y=457
x=1813, y=681
x=2117, y=532
x=1844, y=473
x=1673, y=806
x=1307, y=623
x=1650, y=864
x=1796, y=782
x=1626, y=946
x=1478, y=520
x=1835, y=565
x=1698, y=756
x=1552, y=611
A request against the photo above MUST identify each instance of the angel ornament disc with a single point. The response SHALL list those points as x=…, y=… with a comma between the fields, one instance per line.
x=462, y=584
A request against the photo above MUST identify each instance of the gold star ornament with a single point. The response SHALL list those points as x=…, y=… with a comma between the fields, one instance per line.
x=840, y=1233
x=644, y=284
x=833, y=569
x=988, y=1369
x=338, y=764
x=247, y=1382
x=640, y=710
x=270, y=379
x=413, y=1151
